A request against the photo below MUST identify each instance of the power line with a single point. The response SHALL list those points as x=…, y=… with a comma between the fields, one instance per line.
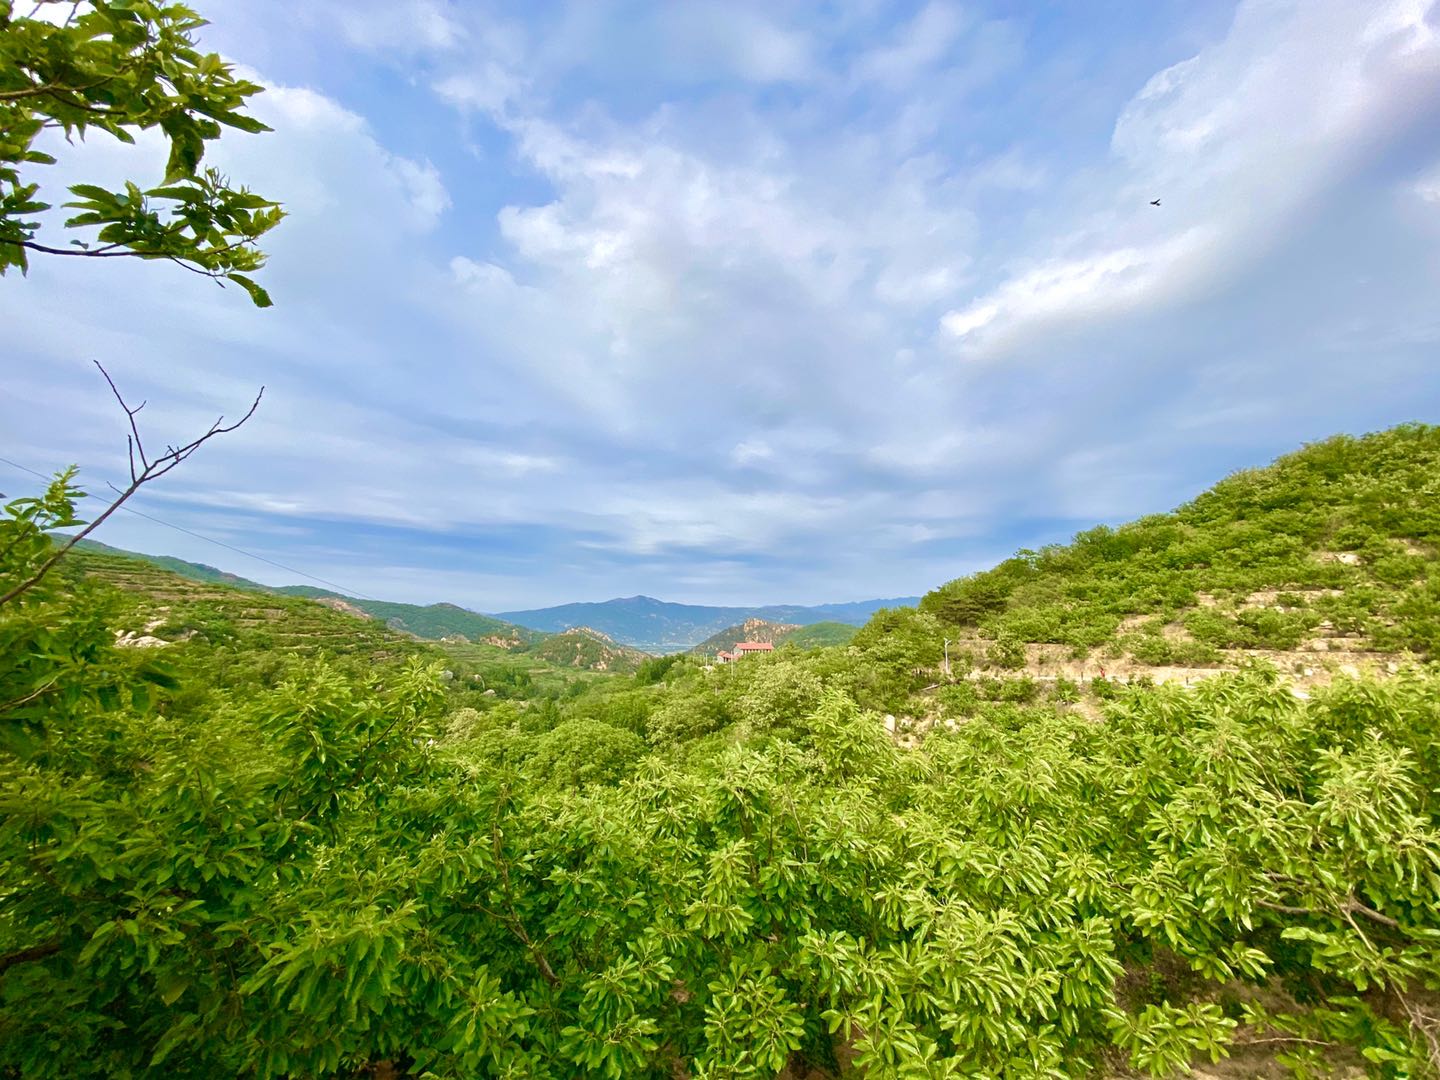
x=209, y=539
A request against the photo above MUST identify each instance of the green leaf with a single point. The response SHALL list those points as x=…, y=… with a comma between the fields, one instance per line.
x=257, y=294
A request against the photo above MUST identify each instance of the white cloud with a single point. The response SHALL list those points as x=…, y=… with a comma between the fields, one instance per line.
x=424, y=189
x=1102, y=284
x=412, y=25
x=751, y=452
x=1236, y=141
x=486, y=86
x=917, y=47
x=706, y=35
x=681, y=332
x=1428, y=186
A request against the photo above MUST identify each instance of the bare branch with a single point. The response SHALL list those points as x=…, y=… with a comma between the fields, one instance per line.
x=137, y=445
x=150, y=470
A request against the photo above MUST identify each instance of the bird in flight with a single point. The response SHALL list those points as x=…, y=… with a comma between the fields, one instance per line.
x=1154, y=202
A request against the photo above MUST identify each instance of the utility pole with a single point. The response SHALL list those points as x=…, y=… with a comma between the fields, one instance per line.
x=947, y=658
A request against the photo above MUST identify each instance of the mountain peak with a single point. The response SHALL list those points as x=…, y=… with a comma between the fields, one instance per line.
x=590, y=631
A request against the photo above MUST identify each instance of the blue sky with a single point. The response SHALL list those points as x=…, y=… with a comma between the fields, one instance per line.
x=741, y=303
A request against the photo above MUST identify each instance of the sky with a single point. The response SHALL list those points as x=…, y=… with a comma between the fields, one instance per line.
x=732, y=302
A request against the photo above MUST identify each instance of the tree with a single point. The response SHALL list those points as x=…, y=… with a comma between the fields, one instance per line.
x=123, y=66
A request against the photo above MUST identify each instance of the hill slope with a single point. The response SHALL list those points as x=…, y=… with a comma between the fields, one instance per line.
x=582, y=647
x=821, y=635
x=1328, y=555
x=163, y=606
x=749, y=630
x=432, y=621
x=659, y=626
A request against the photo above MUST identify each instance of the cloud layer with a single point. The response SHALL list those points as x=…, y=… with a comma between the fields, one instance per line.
x=720, y=304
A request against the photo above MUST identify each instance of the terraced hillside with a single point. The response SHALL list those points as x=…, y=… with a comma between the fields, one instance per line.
x=1323, y=563
x=433, y=621
x=158, y=607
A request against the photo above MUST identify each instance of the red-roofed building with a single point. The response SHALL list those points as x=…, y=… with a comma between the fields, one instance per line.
x=745, y=648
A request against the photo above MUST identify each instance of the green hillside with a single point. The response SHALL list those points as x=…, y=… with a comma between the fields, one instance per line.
x=823, y=635
x=192, y=570
x=433, y=621
x=815, y=636
x=156, y=602
x=588, y=649
x=1339, y=539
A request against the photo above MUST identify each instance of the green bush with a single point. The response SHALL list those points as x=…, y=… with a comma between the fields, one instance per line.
x=1007, y=652
x=778, y=698
x=581, y=752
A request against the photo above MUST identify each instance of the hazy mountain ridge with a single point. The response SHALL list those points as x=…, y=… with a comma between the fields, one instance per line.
x=638, y=622
x=660, y=626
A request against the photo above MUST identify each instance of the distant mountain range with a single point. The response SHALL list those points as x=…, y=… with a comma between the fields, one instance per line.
x=660, y=627
x=640, y=622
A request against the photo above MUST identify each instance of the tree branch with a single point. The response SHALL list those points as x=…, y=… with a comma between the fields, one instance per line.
x=516, y=926
x=40, y=691
x=79, y=253
x=151, y=470
x=26, y=956
x=109, y=252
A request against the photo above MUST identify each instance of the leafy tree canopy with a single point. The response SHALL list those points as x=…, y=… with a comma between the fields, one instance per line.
x=124, y=66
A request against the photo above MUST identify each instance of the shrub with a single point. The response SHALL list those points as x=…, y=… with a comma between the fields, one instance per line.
x=581, y=752
x=1006, y=651
x=778, y=698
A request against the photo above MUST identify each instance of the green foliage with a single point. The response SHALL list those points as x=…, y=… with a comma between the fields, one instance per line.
x=655, y=669
x=777, y=696
x=821, y=635
x=1006, y=651
x=122, y=66
x=1274, y=528
x=581, y=752
x=281, y=863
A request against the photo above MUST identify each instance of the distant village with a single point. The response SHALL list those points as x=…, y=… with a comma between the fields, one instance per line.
x=743, y=649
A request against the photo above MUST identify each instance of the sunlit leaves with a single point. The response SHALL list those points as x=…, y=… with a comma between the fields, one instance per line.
x=122, y=66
